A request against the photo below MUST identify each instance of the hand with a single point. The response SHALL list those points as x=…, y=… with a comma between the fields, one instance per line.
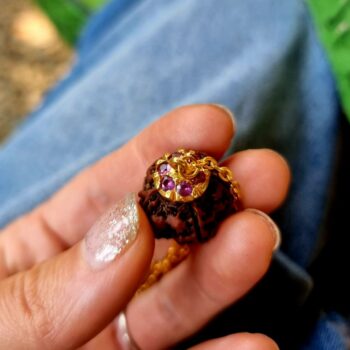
x=56, y=294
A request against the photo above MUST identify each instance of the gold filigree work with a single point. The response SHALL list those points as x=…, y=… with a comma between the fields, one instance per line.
x=183, y=177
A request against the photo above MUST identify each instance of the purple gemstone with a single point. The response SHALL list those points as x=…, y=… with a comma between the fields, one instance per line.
x=200, y=178
x=168, y=184
x=164, y=169
x=184, y=189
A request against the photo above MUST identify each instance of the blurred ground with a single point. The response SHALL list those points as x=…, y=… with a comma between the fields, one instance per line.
x=32, y=59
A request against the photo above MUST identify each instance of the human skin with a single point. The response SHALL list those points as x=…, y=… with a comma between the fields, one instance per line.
x=51, y=296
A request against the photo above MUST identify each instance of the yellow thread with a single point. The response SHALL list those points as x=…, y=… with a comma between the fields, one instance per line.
x=175, y=255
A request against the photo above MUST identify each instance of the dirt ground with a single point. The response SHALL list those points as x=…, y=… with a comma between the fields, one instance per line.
x=32, y=59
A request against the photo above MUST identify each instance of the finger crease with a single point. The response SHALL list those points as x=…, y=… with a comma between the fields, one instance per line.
x=199, y=285
x=52, y=234
x=4, y=271
x=168, y=310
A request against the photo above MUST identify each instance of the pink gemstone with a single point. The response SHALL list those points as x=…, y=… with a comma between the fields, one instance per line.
x=168, y=184
x=164, y=169
x=200, y=178
x=184, y=189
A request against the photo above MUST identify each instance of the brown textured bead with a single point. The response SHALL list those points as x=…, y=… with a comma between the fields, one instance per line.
x=193, y=220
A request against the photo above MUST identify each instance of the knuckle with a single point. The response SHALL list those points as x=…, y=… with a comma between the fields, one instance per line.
x=33, y=308
x=216, y=288
x=97, y=196
x=227, y=276
x=169, y=314
x=56, y=242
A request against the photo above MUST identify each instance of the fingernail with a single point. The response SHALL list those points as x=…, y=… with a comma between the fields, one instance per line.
x=113, y=232
x=227, y=111
x=271, y=223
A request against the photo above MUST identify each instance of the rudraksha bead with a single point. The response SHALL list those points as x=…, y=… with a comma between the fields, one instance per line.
x=186, y=195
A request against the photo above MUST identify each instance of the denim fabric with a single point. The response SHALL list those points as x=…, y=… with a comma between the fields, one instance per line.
x=138, y=59
x=326, y=336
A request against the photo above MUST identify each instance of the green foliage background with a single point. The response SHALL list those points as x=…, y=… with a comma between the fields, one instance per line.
x=69, y=16
x=332, y=19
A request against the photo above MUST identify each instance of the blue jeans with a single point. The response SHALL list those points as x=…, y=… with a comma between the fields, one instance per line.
x=138, y=59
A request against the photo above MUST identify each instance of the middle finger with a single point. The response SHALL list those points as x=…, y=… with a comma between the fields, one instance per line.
x=214, y=276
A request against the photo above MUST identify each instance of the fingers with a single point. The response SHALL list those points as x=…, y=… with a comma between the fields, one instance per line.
x=241, y=341
x=124, y=170
x=214, y=276
x=264, y=178
x=263, y=175
x=63, y=220
x=66, y=301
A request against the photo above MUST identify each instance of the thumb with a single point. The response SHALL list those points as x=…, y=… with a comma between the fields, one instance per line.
x=64, y=302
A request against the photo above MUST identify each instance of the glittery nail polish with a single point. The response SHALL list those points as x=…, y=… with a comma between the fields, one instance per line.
x=113, y=232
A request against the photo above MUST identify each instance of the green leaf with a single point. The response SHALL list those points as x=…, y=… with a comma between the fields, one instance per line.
x=93, y=4
x=69, y=16
x=332, y=19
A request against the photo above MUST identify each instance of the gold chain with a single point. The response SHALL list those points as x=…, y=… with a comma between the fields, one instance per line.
x=224, y=173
